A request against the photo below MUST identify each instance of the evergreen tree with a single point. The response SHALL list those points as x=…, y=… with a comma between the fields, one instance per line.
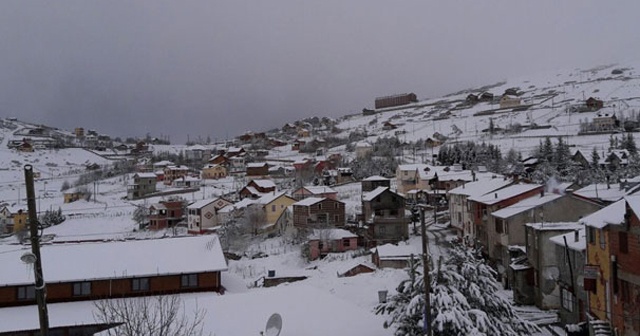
x=595, y=158
x=463, y=300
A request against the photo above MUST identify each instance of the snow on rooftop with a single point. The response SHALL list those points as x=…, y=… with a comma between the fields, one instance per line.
x=309, y=201
x=145, y=175
x=256, y=164
x=390, y=251
x=611, y=193
x=555, y=226
x=525, y=205
x=201, y=203
x=609, y=215
x=572, y=243
x=479, y=188
x=376, y=178
x=320, y=189
x=264, y=183
x=331, y=234
x=505, y=193
x=123, y=259
x=270, y=197
x=369, y=196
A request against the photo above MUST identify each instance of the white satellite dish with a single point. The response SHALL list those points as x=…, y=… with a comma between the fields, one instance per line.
x=274, y=325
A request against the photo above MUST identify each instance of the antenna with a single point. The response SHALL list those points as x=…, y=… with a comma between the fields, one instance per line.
x=274, y=325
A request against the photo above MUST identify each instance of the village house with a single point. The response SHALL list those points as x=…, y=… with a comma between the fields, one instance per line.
x=442, y=178
x=461, y=219
x=594, y=104
x=202, y=215
x=324, y=241
x=174, y=172
x=612, y=277
x=197, y=153
x=372, y=182
x=541, y=254
x=506, y=227
x=315, y=191
x=73, y=195
x=274, y=205
x=237, y=165
x=6, y=219
x=384, y=216
x=315, y=212
x=257, y=188
x=125, y=269
x=571, y=256
x=213, y=172
x=143, y=185
x=603, y=193
x=165, y=214
x=603, y=122
x=394, y=256
x=257, y=169
x=186, y=182
x=363, y=148
x=481, y=208
x=303, y=133
x=508, y=101
x=16, y=220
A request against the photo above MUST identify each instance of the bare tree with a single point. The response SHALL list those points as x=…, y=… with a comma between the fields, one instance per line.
x=147, y=316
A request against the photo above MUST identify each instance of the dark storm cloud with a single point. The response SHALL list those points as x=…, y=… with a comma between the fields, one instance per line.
x=219, y=68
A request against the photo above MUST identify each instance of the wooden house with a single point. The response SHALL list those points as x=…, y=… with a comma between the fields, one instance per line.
x=102, y=270
x=314, y=212
x=324, y=241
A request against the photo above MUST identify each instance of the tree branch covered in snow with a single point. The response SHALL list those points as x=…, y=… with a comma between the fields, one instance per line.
x=463, y=297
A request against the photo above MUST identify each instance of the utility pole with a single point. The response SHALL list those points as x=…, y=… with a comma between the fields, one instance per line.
x=425, y=270
x=41, y=290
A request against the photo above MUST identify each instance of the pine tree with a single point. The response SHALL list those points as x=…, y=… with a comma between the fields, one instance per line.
x=595, y=158
x=463, y=298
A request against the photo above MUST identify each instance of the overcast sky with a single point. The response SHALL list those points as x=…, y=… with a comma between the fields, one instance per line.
x=220, y=68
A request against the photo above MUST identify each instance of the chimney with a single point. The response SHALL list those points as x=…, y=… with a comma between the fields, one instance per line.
x=542, y=192
x=496, y=195
x=576, y=235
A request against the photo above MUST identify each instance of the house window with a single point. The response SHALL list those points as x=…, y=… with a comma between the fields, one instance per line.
x=346, y=242
x=26, y=293
x=337, y=206
x=189, y=280
x=623, y=239
x=498, y=224
x=82, y=288
x=336, y=218
x=273, y=208
x=141, y=284
x=567, y=299
x=591, y=233
x=393, y=212
x=601, y=236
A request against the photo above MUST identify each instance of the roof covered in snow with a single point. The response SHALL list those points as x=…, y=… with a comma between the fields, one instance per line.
x=390, y=251
x=331, y=234
x=479, y=188
x=320, y=190
x=371, y=195
x=577, y=245
x=123, y=259
x=504, y=194
x=555, y=226
x=525, y=205
x=602, y=191
x=376, y=178
x=262, y=183
x=309, y=201
x=610, y=215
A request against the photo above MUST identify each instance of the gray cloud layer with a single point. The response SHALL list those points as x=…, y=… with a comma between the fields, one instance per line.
x=219, y=68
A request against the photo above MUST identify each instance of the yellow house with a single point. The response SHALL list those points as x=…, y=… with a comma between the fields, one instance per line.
x=274, y=205
x=598, y=265
x=214, y=171
x=19, y=220
x=72, y=196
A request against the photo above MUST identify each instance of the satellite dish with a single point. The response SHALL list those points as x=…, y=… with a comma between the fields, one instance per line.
x=274, y=325
x=28, y=258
